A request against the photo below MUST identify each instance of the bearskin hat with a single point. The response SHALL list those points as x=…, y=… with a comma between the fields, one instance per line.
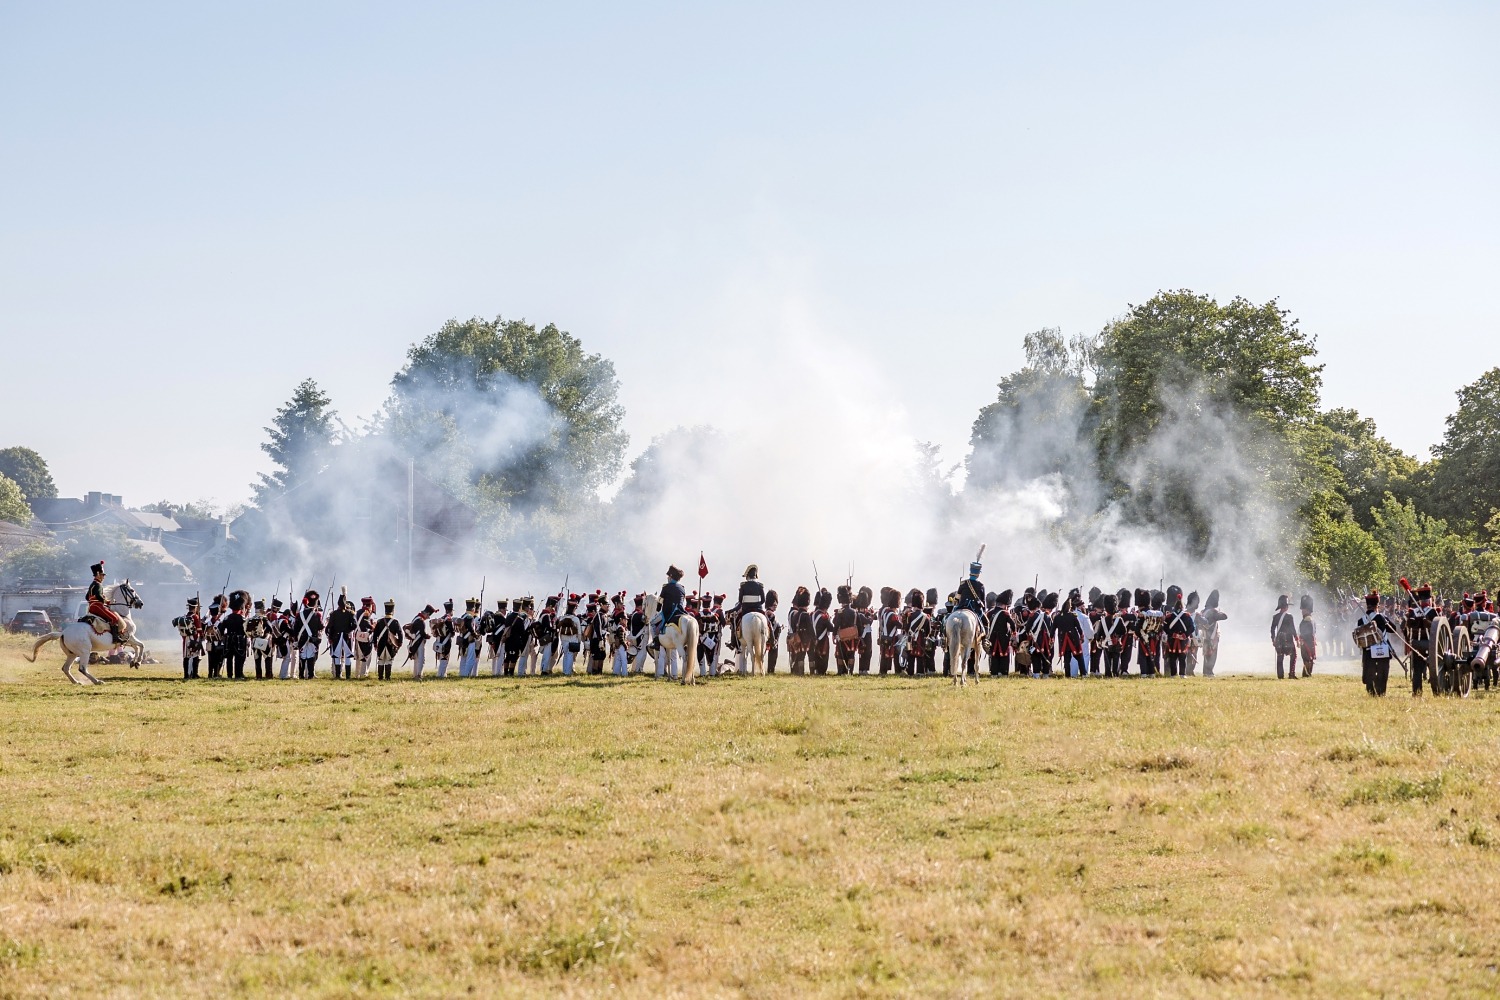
x=864, y=598
x=1306, y=604
x=1372, y=600
x=1030, y=600
x=1074, y=597
x=640, y=600
x=914, y=598
x=552, y=601
x=1094, y=594
x=390, y=607
x=1003, y=599
x=802, y=598
x=1049, y=603
x=1110, y=603
x=890, y=597
x=1213, y=599
x=1028, y=592
x=237, y=600
x=1173, y=593
x=311, y=595
x=1142, y=598
x=772, y=600
x=673, y=573
x=1157, y=600
x=823, y=600
x=846, y=593
x=1192, y=601
x=932, y=596
x=991, y=599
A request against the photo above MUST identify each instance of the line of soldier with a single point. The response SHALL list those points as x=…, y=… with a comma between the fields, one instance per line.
x=1161, y=632
x=1414, y=625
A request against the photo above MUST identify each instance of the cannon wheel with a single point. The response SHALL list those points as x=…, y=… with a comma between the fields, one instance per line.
x=1463, y=676
x=1439, y=652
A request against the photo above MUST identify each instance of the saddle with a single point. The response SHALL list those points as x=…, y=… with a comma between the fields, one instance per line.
x=99, y=625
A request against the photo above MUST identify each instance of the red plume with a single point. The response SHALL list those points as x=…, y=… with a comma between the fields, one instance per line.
x=1405, y=586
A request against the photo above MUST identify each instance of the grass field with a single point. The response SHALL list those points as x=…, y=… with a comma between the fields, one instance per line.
x=773, y=837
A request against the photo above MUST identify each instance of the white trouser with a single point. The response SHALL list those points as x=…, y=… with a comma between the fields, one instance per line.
x=469, y=661
x=568, y=655
x=286, y=667
x=638, y=665
x=544, y=659
x=418, y=661
x=622, y=662
x=442, y=665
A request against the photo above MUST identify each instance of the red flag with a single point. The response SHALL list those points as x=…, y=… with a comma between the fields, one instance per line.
x=702, y=567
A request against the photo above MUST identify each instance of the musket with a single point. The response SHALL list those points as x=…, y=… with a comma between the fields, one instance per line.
x=816, y=582
x=482, y=581
x=225, y=591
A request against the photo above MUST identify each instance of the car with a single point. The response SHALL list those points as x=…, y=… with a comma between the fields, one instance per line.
x=31, y=622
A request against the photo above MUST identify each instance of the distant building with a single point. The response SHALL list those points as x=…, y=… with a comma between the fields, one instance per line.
x=186, y=542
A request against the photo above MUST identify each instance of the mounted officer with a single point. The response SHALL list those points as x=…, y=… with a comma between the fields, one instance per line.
x=99, y=604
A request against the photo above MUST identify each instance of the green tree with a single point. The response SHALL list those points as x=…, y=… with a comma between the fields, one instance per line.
x=1181, y=348
x=29, y=471
x=1048, y=394
x=41, y=559
x=301, y=438
x=1465, y=473
x=530, y=415
x=1368, y=466
x=1423, y=549
x=13, y=506
x=1356, y=561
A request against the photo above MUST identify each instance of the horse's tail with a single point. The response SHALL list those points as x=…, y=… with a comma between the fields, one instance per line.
x=40, y=643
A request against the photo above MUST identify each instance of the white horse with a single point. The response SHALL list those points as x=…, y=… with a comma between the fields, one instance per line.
x=754, y=633
x=679, y=637
x=79, y=639
x=961, y=630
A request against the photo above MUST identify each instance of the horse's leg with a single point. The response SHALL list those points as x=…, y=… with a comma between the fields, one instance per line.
x=67, y=667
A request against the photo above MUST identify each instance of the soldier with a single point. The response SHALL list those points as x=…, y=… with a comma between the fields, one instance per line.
x=1307, y=635
x=494, y=636
x=864, y=598
x=917, y=627
x=341, y=625
x=619, y=637
x=799, y=623
x=545, y=634
x=822, y=632
x=517, y=635
x=1041, y=634
x=971, y=592
x=442, y=638
x=752, y=597
x=213, y=638
x=1206, y=632
x=596, y=633
x=1417, y=631
x=1149, y=620
x=1177, y=634
x=773, y=631
x=1130, y=623
x=417, y=636
x=283, y=629
x=99, y=606
x=1375, y=660
x=309, y=635
x=257, y=628
x=1071, y=639
x=570, y=631
x=844, y=625
x=232, y=628
x=364, y=636
x=387, y=639
x=468, y=631
x=1113, y=634
x=999, y=633
x=189, y=625
x=890, y=629
x=1284, y=637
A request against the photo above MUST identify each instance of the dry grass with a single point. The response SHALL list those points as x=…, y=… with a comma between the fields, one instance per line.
x=780, y=837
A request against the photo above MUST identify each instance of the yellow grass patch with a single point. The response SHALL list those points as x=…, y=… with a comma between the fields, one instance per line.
x=772, y=837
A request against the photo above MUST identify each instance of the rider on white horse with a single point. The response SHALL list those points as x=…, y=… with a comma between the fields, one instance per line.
x=752, y=597
x=971, y=592
x=99, y=604
x=673, y=598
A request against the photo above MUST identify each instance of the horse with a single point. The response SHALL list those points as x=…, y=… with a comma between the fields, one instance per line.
x=961, y=630
x=754, y=634
x=679, y=637
x=79, y=639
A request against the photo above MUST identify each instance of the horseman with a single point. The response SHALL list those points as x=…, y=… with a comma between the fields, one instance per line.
x=99, y=605
x=752, y=597
x=673, y=599
x=971, y=592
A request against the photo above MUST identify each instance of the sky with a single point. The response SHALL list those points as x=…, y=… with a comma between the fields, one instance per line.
x=203, y=204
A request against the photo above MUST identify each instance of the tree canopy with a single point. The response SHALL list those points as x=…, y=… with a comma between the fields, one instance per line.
x=29, y=471
x=13, y=506
x=1465, y=476
x=300, y=438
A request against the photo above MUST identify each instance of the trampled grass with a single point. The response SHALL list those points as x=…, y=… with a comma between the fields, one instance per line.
x=771, y=837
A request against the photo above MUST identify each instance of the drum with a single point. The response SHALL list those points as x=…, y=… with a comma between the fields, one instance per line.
x=1366, y=635
x=1023, y=655
x=1150, y=625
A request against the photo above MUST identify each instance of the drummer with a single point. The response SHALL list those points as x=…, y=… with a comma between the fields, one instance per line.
x=1372, y=633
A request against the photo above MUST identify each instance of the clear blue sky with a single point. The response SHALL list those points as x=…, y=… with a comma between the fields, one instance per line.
x=224, y=201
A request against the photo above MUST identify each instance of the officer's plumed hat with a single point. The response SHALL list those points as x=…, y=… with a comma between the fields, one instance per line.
x=97, y=568
x=752, y=572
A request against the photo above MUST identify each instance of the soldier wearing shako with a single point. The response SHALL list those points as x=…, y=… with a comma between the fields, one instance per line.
x=494, y=632
x=417, y=636
x=387, y=639
x=213, y=638
x=595, y=633
x=341, y=625
x=189, y=625
x=545, y=633
x=258, y=630
x=310, y=627
x=1284, y=637
x=99, y=604
x=517, y=634
x=442, y=638
x=570, y=632
x=1375, y=658
x=467, y=631
x=364, y=637
x=773, y=631
x=971, y=592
